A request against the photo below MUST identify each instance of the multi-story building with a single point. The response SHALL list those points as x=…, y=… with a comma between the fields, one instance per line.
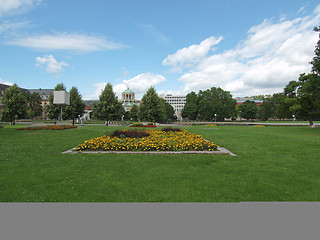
x=177, y=102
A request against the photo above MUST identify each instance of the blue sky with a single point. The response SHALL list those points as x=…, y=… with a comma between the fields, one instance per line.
x=246, y=47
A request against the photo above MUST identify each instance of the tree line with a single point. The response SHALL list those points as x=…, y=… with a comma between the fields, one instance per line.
x=152, y=108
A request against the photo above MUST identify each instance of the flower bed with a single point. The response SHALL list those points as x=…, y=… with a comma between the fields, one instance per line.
x=157, y=141
x=49, y=127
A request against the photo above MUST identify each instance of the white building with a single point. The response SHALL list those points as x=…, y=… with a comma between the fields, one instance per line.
x=177, y=102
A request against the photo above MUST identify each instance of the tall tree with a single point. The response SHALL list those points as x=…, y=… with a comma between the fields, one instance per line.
x=151, y=107
x=305, y=93
x=168, y=110
x=190, y=109
x=248, y=110
x=54, y=110
x=267, y=109
x=133, y=113
x=14, y=104
x=76, y=106
x=215, y=101
x=35, y=107
x=108, y=108
x=308, y=96
x=316, y=59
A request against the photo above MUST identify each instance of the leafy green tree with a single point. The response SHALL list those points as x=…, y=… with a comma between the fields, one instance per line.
x=133, y=113
x=316, y=59
x=14, y=104
x=190, y=109
x=215, y=101
x=267, y=109
x=35, y=108
x=53, y=110
x=168, y=110
x=108, y=108
x=306, y=96
x=305, y=93
x=151, y=107
x=76, y=106
x=248, y=110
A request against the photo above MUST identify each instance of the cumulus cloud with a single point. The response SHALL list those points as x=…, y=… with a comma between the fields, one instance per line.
x=273, y=54
x=67, y=41
x=8, y=7
x=139, y=84
x=188, y=56
x=51, y=65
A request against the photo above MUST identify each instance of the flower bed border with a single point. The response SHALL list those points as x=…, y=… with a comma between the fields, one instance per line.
x=49, y=127
x=144, y=126
x=220, y=151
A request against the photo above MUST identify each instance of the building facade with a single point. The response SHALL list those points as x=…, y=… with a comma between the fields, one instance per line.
x=128, y=99
x=177, y=102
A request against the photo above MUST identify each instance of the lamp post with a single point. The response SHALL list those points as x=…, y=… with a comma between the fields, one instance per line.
x=293, y=118
x=215, y=117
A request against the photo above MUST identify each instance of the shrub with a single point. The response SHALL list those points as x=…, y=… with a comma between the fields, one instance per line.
x=137, y=124
x=170, y=129
x=129, y=134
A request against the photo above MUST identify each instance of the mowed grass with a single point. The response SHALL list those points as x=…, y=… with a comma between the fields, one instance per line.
x=272, y=164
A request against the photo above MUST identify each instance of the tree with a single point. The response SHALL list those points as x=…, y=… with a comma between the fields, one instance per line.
x=35, y=108
x=168, y=110
x=248, y=110
x=133, y=113
x=54, y=110
x=316, y=59
x=267, y=109
x=151, y=107
x=190, y=109
x=14, y=104
x=215, y=101
x=306, y=95
x=108, y=108
x=76, y=106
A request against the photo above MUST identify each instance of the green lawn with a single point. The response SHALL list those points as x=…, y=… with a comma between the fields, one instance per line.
x=273, y=164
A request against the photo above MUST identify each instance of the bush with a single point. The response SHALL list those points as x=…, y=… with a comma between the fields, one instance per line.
x=170, y=129
x=137, y=124
x=129, y=134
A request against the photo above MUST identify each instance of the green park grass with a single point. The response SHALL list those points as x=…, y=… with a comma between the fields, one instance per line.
x=272, y=164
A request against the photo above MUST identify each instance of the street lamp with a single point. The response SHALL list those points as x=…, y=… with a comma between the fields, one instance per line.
x=294, y=118
x=215, y=117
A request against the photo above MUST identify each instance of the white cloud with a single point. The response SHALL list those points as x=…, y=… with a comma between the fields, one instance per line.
x=7, y=26
x=67, y=41
x=139, y=84
x=188, y=56
x=272, y=55
x=8, y=7
x=51, y=65
x=5, y=82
